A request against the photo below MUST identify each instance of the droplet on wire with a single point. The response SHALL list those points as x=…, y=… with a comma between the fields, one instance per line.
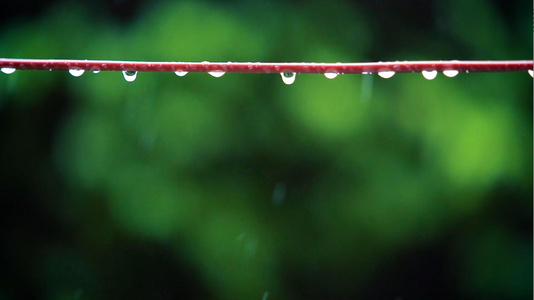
x=531, y=73
x=430, y=74
x=450, y=73
x=7, y=70
x=96, y=71
x=330, y=75
x=386, y=74
x=181, y=73
x=288, y=78
x=129, y=75
x=216, y=73
x=76, y=72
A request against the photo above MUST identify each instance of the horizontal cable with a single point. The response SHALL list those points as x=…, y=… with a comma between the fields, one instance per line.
x=258, y=67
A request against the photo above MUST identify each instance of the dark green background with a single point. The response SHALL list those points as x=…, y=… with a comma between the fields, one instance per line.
x=242, y=187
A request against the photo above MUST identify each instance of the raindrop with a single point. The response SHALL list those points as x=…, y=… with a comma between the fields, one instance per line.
x=430, y=74
x=330, y=75
x=8, y=70
x=529, y=72
x=180, y=73
x=386, y=74
x=129, y=75
x=76, y=72
x=288, y=78
x=216, y=73
x=450, y=73
x=96, y=71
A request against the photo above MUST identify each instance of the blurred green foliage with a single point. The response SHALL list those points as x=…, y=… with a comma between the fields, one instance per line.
x=164, y=187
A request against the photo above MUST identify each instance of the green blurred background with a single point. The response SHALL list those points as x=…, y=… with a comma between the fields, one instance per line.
x=242, y=187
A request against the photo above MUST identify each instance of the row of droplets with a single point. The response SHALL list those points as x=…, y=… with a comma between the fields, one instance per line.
x=427, y=74
x=287, y=77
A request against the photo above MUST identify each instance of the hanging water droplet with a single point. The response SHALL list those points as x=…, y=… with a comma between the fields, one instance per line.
x=330, y=75
x=386, y=74
x=96, y=71
x=366, y=73
x=7, y=70
x=288, y=78
x=531, y=73
x=450, y=73
x=216, y=73
x=129, y=75
x=430, y=74
x=181, y=73
x=76, y=72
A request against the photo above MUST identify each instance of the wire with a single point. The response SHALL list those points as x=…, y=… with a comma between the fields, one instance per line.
x=257, y=67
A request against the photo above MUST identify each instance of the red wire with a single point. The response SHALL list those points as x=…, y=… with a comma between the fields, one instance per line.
x=241, y=67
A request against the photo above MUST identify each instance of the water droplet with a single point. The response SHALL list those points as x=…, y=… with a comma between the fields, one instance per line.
x=529, y=72
x=7, y=70
x=430, y=74
x=96, y=71
x=129, y=75
x=76, y=72
x=386, y=74
x=181, y=73
x=330, y=75
x=450, y=73
x=288, y=78
x=366, y=73
x=216, y=73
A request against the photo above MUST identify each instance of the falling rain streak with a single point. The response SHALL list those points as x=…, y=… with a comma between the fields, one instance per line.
x=129, y=75
x=430, y=74
x=7, y=70
x=76, y=72
x=288, y=78
x=279, y=194
x=366, y=88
